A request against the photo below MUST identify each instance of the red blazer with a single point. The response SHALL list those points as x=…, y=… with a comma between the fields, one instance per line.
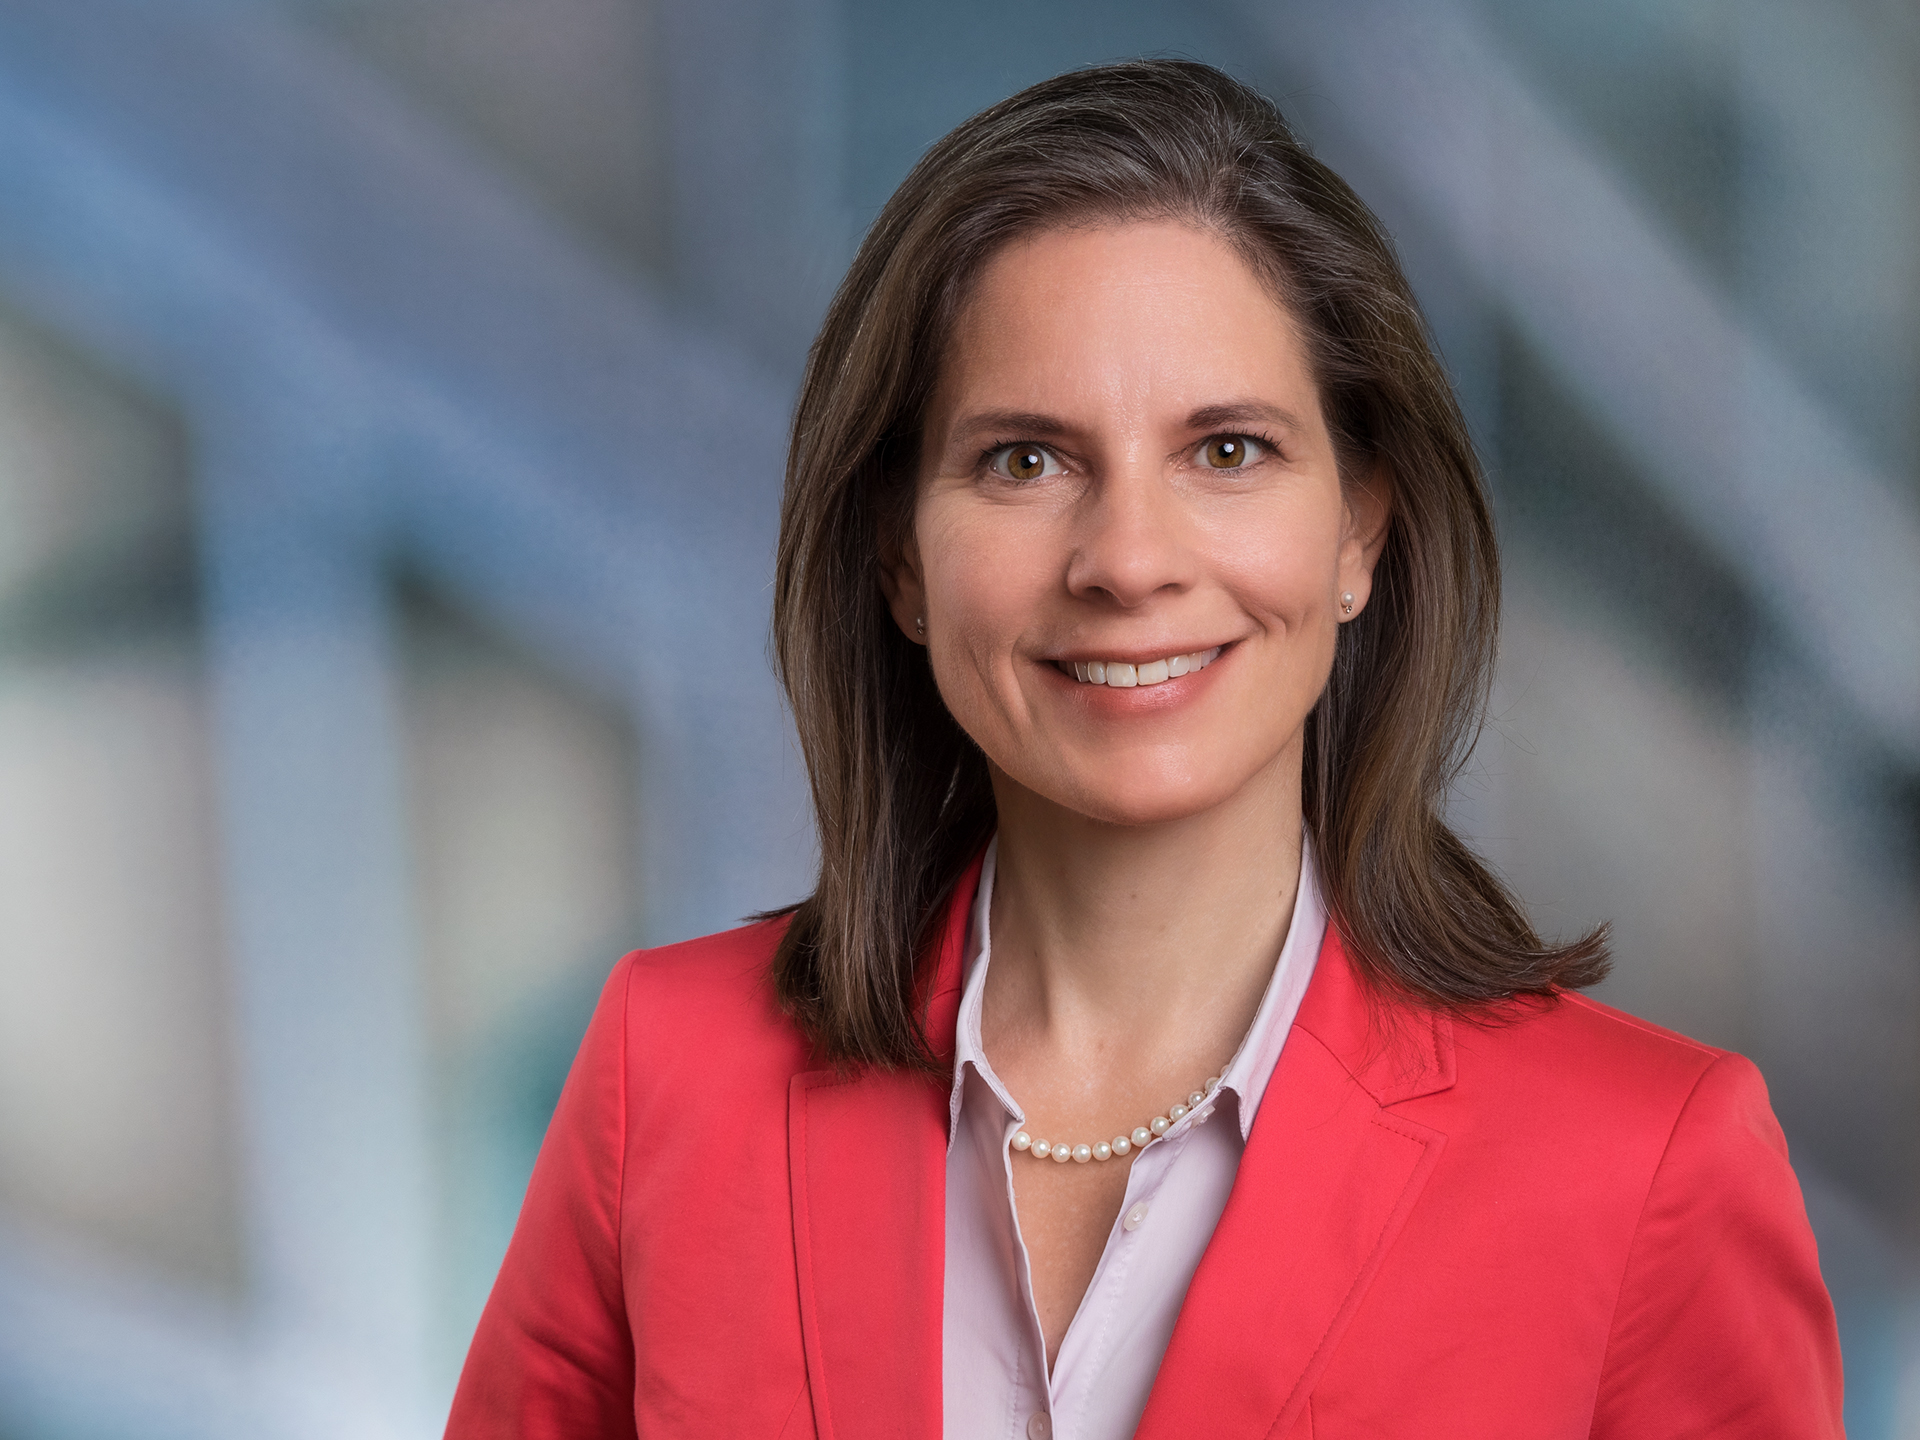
x=1568, y=1223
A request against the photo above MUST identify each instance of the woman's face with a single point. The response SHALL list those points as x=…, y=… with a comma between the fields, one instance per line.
x=1130, y=540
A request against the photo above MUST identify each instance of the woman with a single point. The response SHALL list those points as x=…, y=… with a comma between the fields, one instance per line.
x=1150, y=1053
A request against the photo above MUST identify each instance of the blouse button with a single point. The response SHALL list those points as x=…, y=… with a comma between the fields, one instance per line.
x=1134, y=1217
x=1039, y=1427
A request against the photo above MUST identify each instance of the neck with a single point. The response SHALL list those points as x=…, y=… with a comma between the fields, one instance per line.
x=1155, y=939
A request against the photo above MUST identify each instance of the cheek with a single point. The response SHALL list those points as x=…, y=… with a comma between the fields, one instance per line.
x=983, y=565
x=984, y=582
x=1281, y=566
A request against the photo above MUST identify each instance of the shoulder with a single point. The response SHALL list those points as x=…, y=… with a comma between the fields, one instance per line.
x=1717, y=1099
x=1599, y=1027
x=716, y=984
x=1576, y=1051
x=1576, y=1088
x=702, y=1013
x=716, y=972
x=1720, y=1322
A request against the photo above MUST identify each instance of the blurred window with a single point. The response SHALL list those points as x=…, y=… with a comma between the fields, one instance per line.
x=521, y=789
x=116, y=1104
x=563, y=95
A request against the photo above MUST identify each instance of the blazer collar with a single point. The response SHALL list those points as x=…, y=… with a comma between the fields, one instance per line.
x=942, y=981
x=1328, y=1178
x=1325, y=1184
x=1393, y=1050
x=867, y=1156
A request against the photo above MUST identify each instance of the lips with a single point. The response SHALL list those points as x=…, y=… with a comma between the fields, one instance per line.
x=1125, y=675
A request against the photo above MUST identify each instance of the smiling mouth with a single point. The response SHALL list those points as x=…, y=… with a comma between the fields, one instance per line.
x=1121, y=675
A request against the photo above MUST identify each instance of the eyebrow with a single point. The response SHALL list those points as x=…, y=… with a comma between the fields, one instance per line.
x=1014, y=422
x=1242, y=412
x=1029, y=423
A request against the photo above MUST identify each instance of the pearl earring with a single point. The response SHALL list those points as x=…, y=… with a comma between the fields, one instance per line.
x=1346, y=603
x=920, y=626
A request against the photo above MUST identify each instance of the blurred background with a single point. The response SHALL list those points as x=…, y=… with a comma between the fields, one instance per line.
x=392, y=397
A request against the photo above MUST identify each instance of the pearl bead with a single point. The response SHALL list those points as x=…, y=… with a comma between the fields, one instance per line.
x=1061, y=1151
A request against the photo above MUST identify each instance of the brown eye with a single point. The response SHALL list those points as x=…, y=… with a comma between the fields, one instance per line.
x=1228, y=452
x=1023, y=462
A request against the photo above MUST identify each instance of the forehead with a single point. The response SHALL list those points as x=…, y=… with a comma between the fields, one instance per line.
x=1152, y=312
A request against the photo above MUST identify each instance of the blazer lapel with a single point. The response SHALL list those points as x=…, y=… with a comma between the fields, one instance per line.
x=1327, y=1180
x=867, y=1156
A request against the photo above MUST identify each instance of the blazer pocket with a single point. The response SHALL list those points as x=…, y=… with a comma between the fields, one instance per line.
x=799, y=1424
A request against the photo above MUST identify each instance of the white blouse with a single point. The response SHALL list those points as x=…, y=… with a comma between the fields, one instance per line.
x=996, y=1380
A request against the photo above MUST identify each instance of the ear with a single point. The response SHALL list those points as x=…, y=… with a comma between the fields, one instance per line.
x=1369, y=516
x=903, y=585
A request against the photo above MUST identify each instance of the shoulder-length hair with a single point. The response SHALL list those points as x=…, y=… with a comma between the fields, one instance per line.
x=901, y=795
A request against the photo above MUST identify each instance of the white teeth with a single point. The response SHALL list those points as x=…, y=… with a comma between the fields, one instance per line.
x=1122, y=676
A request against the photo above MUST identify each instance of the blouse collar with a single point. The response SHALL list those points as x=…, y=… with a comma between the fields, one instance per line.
x=1246, y=1074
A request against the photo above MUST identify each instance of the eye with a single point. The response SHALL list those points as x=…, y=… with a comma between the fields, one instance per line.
x=1229, y=452
x=1022, y=462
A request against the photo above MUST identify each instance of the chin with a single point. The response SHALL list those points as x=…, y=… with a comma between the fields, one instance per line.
x=1146, y=799
x=1139, y=817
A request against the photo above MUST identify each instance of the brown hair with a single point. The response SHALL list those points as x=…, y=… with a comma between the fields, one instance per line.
x=901, y=795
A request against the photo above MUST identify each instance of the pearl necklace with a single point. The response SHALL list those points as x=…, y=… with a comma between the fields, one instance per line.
x=1120, y=1144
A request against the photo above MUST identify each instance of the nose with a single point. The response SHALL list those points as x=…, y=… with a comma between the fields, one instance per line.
x=1130, y=542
